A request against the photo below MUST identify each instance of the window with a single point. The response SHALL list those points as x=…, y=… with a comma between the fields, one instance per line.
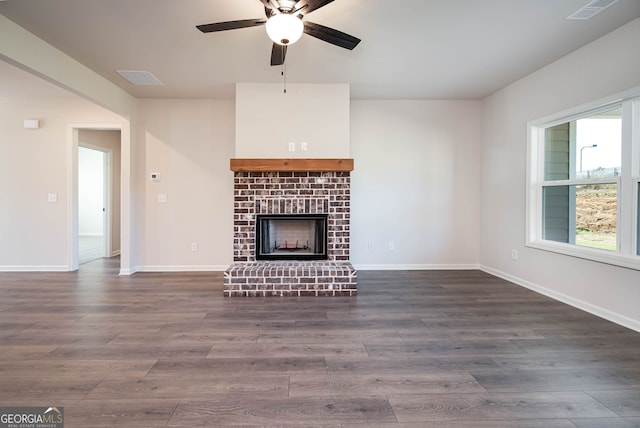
x=584, y=198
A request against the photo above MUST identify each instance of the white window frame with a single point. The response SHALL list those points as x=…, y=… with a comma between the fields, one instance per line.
x=628, y=182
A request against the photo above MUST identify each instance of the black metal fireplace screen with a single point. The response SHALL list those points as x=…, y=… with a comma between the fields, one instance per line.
x=291, y=237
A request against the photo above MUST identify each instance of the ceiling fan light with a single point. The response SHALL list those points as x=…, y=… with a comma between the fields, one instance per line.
x=284, y=29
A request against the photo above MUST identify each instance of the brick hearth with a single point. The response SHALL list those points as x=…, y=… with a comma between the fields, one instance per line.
x=290, y=192
x=290, y=278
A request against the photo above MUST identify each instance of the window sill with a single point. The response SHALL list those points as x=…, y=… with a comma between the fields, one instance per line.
x=592, y=254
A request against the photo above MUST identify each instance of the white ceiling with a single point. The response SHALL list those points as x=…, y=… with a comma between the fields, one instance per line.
x=410, y=49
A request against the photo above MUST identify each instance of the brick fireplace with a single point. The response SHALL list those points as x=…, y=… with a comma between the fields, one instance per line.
x=291, y=187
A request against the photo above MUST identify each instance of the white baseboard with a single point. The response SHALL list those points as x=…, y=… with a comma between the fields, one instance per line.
x=415, y=266
x=126, y=272
x=56, y=268
x=179, y=268
x=577, y=303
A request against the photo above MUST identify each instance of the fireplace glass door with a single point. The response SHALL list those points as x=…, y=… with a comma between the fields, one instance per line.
x=291, y=237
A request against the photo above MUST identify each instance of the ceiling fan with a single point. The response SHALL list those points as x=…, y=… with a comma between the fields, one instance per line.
x=285, y=25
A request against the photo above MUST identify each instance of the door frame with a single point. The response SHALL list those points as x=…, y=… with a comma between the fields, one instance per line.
x=125, y=193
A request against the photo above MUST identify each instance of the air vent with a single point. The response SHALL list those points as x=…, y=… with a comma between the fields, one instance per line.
x=591, y=10
x=140, y=78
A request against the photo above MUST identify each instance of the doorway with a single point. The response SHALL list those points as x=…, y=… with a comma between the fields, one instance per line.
x=97, y=229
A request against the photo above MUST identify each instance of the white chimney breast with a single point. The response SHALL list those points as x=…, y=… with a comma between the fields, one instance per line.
x=267, y=120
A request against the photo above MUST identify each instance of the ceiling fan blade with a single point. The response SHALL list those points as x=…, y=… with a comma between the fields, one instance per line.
x=309, y=6
x=230, y=25
x=330, y=35
x=278, y=54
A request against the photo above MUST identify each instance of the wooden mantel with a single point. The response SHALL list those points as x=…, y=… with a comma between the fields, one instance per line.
x=296, y=165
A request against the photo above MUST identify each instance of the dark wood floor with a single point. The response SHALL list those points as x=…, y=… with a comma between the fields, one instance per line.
x=414, y=349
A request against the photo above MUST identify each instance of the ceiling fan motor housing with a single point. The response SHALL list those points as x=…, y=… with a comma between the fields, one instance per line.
x=286, y=5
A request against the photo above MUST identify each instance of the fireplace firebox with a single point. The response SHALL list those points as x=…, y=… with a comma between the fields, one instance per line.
x=291, y=237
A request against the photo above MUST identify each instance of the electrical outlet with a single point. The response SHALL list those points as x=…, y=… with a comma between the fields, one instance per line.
x=392, y=246
x=303, y=146
x=371, y=246
x=292, y=147
x=194, y=246
x=514, y=254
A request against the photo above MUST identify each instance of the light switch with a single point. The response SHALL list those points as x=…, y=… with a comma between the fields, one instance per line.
x=162, y=198
x=303, y=146
x=52, y=197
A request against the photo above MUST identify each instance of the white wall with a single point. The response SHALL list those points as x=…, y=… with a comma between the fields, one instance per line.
x=268, y=119
x=189, y=142
x=600, y=69
x=33, y=163
x=415, y=183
